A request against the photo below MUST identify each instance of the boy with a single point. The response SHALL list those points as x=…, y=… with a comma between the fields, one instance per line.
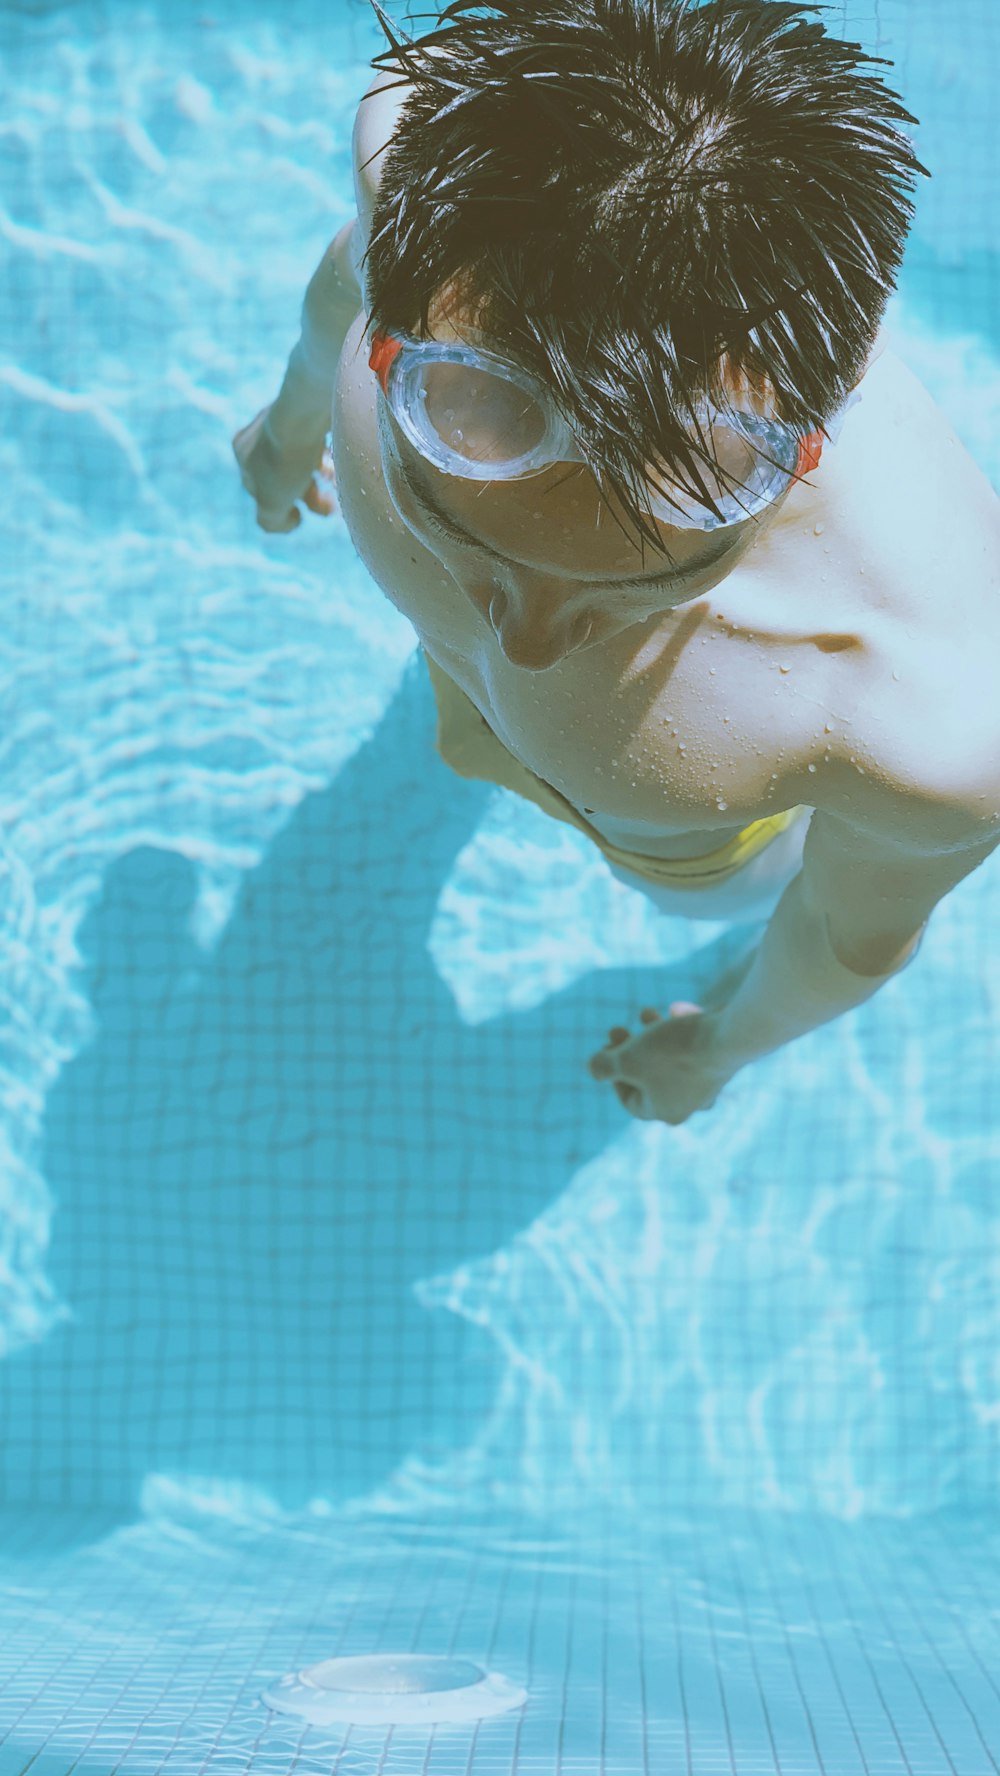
x=696, y=563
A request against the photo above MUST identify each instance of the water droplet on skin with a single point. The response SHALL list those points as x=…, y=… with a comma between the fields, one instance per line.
x=818, y=529
x=784, y=668
x=711, y=672
x=681, y=747
x=896, y=676
x=828, y=727
x=536, y=514
x=722, y=806
x=812, y=767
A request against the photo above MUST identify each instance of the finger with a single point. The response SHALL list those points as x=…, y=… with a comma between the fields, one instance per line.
x=649, y=1016
x=617, y=1035
x=320, y=502
x=602, y=1065
x=270, y=521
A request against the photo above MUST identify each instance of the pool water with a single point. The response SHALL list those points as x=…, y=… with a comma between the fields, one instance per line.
x=341, y=1316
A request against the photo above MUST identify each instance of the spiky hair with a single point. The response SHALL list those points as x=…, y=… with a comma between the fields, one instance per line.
x=646, y=203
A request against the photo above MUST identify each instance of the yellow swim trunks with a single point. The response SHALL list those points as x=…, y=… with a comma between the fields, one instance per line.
x=469, y=746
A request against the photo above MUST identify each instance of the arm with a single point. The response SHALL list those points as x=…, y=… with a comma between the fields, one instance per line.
x=842, y=928
x=848, y=922
x=281, y=448
x=279, y=451
x=851, y=920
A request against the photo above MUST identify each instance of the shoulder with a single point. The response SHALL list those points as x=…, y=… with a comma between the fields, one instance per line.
x=909, y=743
x=896, y=827
x=924, y=813
x=879, y=857
x=914, y=750
x=908, y=753
x=374, y=126
x=913, y=492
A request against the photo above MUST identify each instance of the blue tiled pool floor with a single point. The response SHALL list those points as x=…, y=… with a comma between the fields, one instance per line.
x=302, y=1185
x=785, y=1645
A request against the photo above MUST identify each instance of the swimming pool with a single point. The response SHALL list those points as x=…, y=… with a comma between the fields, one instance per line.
x=339, y=1314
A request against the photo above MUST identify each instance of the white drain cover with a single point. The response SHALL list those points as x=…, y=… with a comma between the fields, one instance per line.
x=393, y=1689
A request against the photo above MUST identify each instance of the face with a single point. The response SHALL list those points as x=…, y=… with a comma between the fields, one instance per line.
x=542, y=559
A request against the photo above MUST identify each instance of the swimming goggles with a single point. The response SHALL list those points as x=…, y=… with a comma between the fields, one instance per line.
x=474, y=414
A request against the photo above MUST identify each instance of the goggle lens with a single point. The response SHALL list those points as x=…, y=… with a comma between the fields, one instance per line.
x=755, y=468
x=473, y=414
x=480, y=417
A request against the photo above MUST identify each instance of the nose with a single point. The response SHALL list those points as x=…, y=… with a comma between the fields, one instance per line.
x=531, y=636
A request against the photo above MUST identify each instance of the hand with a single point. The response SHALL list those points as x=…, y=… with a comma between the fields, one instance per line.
x=275, y=478
x=669, y=1070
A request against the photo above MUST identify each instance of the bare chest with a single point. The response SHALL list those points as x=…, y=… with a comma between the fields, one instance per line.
x=830, y=634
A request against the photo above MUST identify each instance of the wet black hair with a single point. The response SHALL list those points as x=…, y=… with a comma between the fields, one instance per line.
x=646, y=202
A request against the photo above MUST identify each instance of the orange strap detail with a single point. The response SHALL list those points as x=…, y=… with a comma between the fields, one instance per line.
x=384, y=351
x=810, y=451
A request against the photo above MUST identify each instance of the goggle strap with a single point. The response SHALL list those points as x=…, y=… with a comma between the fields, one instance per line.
x=385, y=350
x=810, y=451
